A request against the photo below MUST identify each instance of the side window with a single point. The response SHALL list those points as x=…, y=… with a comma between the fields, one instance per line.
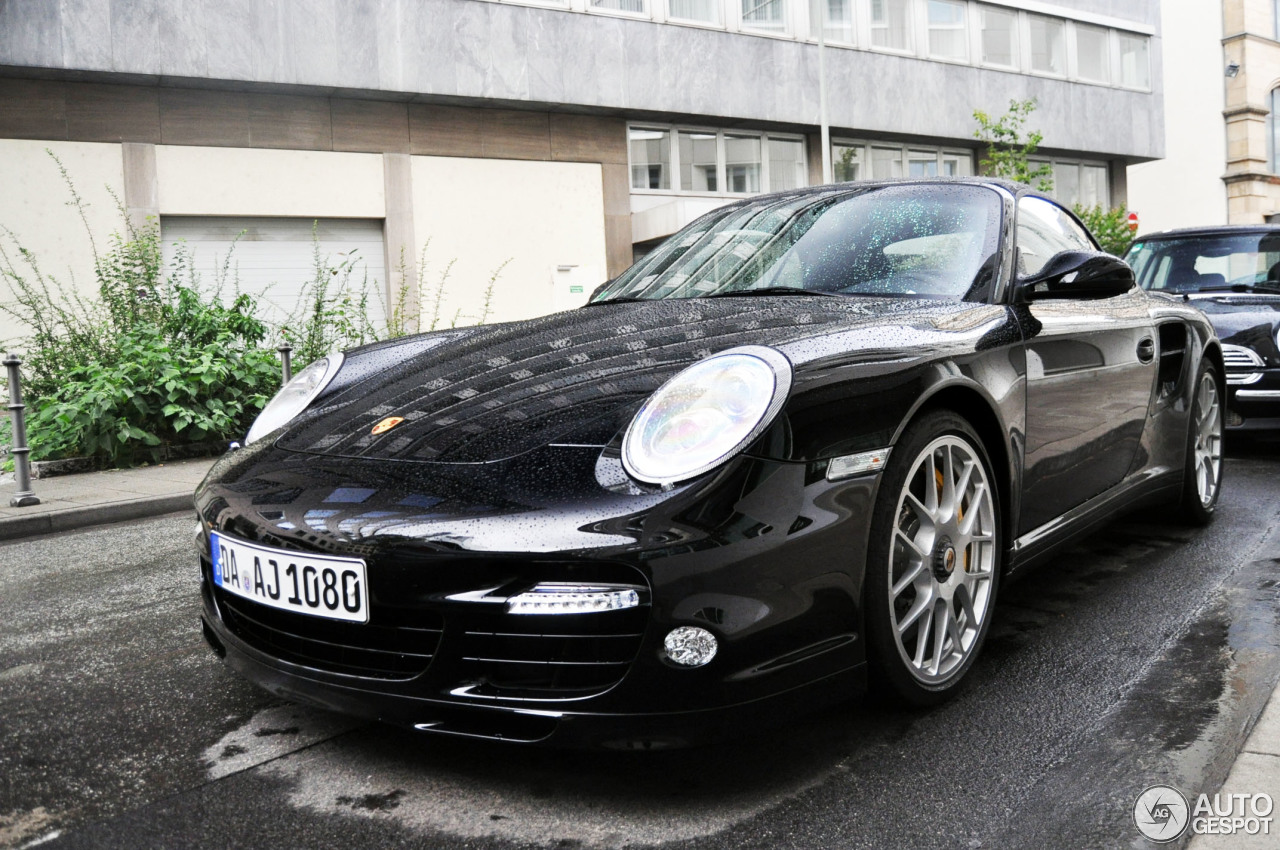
x=1044, y=230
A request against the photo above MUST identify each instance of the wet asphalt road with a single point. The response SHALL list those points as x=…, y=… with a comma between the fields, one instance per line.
x=1137, y=657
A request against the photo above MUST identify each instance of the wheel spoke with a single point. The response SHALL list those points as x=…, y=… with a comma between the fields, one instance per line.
x=922, y=604
x=908, y=578
x=931, y=488
x=979, y=493
x=941, y=615
x=949, y=499
x=922, y=637
x=953, y=629
x=922, y=510
x=964, y=595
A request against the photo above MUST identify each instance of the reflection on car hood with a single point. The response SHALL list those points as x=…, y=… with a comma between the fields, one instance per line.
x=1249, y=320
x=574, y=377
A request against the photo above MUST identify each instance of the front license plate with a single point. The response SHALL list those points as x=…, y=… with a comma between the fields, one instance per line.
x=319, y=585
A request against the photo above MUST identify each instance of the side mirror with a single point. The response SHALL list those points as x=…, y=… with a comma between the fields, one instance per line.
x=1080, y=275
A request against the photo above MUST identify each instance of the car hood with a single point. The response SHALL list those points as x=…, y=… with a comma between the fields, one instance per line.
x=491, y=393
x=1250, y=320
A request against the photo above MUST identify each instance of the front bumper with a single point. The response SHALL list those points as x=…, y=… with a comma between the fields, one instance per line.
x=767, y=556
x=1254, y=406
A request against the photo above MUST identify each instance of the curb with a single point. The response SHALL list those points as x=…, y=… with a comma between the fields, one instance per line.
x=15, y=528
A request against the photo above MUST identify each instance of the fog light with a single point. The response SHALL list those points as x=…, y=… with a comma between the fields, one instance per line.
x=1234, y=419
x=557, y=598
x=690, y=646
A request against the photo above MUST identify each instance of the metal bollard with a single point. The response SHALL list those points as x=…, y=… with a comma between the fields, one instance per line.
x=286, y=364
x=20, y=451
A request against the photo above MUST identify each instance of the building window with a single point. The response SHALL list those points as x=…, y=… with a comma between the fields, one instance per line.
x=742, y=164
x=767, y=15
x=715, y=161
x=839, y=20
x=999, y=36
x=635, y=7
x=1082, y=183
x=1135, y=66
x=1093, y=49
x=948, y=34
x=786, y=164
x=1048, y=45
x=701, y=11
x=889, y=24
x=650, y=158
x=699, y=162
x=846, y=162
x=889, y=161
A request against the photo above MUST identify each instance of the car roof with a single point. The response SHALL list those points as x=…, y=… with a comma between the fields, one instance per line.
x=1211, y=230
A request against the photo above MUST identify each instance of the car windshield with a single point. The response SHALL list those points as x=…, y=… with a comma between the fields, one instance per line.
x=1241, y=262
x=930, y=240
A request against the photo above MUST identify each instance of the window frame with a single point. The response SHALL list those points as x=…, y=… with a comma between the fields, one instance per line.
x=912, y=24
x=965, y=28
x=646, y=15
x=1117, y=40
x=1015, y=34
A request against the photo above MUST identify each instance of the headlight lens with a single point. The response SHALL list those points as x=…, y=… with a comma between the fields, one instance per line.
x=706, y=414
x=294, y=397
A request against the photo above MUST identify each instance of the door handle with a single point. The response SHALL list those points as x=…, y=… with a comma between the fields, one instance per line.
x=1147, y=349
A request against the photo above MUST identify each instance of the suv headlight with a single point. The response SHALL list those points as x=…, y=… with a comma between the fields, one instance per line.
x=706, y=414
x=294, y=396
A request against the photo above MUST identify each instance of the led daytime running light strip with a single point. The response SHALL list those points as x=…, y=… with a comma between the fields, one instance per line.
x=557, y=598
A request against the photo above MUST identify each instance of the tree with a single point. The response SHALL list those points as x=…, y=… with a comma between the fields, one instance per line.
x=1008, y=153
x=1109, y=227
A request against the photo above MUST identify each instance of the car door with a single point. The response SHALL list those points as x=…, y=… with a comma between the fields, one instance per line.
x=1090, y=375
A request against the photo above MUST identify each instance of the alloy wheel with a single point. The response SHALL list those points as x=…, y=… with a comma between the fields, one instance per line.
x=942, y=561
x=1208, y=439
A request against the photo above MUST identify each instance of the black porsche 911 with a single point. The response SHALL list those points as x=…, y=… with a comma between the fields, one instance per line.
x=801, y=443
x=1232, y=273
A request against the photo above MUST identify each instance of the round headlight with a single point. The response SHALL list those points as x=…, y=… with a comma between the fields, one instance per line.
x=706, y=414
x=294, y=396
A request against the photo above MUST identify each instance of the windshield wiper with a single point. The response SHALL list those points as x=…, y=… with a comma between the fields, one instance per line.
x=1260, y=286
x=625, y=300
x=770, y=290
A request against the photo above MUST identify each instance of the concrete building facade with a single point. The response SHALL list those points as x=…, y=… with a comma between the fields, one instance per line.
x=550, y=139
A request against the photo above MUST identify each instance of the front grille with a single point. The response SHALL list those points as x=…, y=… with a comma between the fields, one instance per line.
x=550, y=656
x=1240, y=362
x=372, y=650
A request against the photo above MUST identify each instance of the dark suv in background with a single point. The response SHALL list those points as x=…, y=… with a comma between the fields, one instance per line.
x=1232, y=273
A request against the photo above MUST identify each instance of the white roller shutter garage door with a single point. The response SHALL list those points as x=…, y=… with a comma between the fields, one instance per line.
x=273, y=259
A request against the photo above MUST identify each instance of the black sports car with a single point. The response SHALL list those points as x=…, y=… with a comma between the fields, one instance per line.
x=1232, y=273
x=804, y=439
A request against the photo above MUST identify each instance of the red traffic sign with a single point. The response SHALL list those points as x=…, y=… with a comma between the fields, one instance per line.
x=1133, y=222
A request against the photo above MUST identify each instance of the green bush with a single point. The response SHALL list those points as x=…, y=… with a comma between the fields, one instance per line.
x=1109, y=227
x=158, y=392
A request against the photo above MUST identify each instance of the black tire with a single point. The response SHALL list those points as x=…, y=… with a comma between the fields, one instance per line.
x=929, y=580
x=1202, y=466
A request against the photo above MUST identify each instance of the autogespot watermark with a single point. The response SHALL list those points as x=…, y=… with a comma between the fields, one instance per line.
x=1163, y=814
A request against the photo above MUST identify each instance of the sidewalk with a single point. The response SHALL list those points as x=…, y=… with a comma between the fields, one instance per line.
x=74, y=501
